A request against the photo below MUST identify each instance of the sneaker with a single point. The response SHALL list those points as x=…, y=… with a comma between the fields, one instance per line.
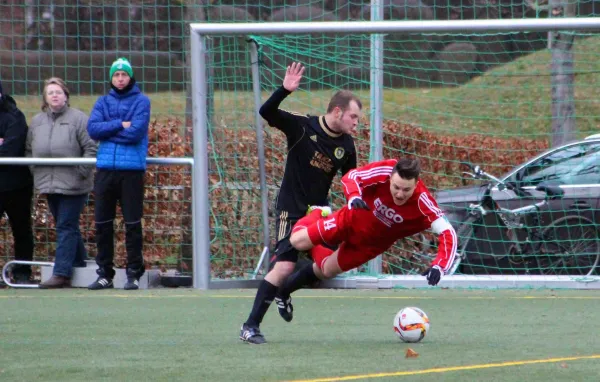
x=285, y=307
x=101, y=283
x=251, y=335
x=325, y=210
x=132, y=284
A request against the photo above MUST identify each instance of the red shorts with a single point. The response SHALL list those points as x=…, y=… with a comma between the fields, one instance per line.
x=335, y=230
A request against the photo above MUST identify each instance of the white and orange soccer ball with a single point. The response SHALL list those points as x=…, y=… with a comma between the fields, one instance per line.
x=411, y=324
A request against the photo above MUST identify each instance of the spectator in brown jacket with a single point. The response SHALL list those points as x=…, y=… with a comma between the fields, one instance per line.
x=60, y=131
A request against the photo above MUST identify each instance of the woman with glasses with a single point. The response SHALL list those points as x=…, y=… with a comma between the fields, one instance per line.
x=60, y=131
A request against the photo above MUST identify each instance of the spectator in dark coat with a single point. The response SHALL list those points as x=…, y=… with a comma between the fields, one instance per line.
x=16, y=184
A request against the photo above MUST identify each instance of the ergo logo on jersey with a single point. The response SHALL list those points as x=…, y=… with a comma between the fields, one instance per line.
x=387, y=212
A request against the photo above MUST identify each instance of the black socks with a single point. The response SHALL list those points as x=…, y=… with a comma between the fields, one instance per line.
x=264, y=297
x=304, y=276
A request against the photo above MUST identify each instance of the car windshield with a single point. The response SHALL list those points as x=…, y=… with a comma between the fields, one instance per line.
x=576, y=164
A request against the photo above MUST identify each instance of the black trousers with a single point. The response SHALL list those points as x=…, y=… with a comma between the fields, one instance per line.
x=126, y=188
x=17, y=205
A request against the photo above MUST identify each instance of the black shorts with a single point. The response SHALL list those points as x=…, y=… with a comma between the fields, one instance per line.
x=283, y=230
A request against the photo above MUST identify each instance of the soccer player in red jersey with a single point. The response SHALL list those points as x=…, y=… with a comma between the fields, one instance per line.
x=386, y=201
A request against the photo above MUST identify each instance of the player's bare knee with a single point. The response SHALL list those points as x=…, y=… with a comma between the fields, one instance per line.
x=318, y=272
x=330, y=267
x=284, y=268
x=281, y=270
x=329, y=273
x=300, y=240
x=296, y=239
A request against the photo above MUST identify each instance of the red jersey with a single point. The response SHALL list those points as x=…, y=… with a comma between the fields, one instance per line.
x=387, y=222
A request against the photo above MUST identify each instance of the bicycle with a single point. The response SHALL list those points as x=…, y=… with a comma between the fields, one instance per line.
x=552, y=249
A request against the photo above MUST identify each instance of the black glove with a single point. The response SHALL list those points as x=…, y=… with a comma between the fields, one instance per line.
x=433, y=275
x=358, y=203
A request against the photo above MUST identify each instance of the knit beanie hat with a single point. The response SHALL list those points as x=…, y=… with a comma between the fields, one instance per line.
x=121, y=64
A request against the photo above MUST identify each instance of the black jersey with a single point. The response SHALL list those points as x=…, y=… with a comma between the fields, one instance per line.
x=315, y=155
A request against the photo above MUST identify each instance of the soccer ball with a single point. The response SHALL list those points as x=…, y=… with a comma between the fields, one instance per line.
x=411, y=324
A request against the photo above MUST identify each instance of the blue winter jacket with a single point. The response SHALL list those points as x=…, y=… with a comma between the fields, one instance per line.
x=120, y=148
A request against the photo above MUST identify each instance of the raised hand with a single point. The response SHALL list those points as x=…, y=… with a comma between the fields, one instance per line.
x=293, y=75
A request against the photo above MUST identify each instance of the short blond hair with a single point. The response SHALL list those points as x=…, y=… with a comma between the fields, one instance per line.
x=54, y=81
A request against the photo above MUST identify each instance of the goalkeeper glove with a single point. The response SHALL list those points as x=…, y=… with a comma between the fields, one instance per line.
x=356, y=202
x=433, y=275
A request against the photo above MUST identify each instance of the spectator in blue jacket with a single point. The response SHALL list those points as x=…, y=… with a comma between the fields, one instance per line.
x=119, y=122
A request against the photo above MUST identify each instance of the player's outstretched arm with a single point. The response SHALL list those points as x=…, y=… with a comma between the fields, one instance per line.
x=283, y=120
x=447, y=240
x=447, y=243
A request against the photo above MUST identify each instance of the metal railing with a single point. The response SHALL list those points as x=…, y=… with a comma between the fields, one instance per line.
x=201, y=273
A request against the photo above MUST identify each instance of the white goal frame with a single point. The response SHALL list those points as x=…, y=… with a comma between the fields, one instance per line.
x=199, y=32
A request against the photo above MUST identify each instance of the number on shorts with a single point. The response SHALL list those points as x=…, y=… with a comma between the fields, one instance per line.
x=329, y=224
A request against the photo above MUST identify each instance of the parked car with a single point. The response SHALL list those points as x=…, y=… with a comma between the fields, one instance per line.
x=575, y=168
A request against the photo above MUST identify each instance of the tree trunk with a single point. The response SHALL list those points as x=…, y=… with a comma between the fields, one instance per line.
x=30, y=13
x=563, y=77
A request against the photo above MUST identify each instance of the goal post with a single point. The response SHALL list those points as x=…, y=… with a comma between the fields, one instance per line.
x=202, y=32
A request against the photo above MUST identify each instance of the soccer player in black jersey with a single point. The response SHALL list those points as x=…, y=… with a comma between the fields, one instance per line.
x=318, y=148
